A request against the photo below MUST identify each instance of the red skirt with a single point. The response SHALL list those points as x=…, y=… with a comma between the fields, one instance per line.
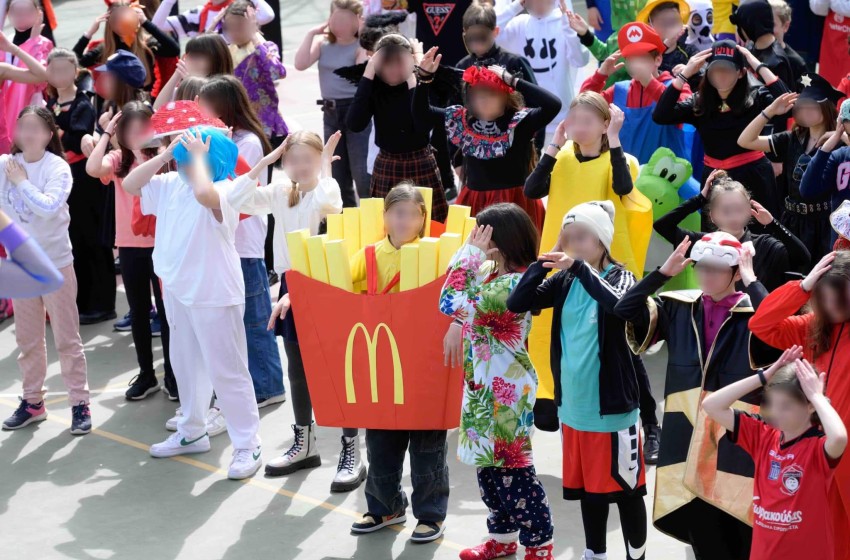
x=479, y=200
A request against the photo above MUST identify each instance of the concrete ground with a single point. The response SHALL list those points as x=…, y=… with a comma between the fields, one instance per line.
x=102, y=496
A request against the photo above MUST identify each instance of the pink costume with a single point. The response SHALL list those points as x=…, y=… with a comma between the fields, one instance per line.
x=15, y=96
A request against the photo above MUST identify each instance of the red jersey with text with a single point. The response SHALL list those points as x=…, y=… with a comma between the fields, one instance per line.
x=791, y=516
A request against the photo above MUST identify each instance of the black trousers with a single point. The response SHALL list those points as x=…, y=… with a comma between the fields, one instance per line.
x=91, y=207
x=137, y=272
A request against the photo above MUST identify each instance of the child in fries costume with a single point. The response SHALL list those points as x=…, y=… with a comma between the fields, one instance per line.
x=195, y=258
x=309, y=195
x=379, y=265
x=590, y=166
x=703, y=483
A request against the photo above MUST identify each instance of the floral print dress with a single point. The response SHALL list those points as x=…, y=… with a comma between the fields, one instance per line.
x=500, y=384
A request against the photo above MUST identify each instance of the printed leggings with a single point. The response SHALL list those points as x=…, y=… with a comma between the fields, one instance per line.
x=518, y=505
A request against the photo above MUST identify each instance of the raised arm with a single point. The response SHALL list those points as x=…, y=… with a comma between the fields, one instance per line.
x=199, y=173
x=544, y=106
x=534, y=291
x=776, y=321
x=135, y=181
x=34, y=73
x=750, y=138
x=166, y=93
x=538, y=181
x=667, y=225
x=168, y=45
x=95, y=166
x=311, y=47
x=814, y=385
x=464, y=280
x=718, y=405
x=360, y=111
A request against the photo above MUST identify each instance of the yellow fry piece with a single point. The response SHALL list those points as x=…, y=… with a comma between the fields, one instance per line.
x=429, y=248
x=428, y=195
x=296, y=241
x=316, y=257
x=336, y=230
x=339, y=264
x=457, y=215
x=351, y=220
x=371, y=220
x=449, y=245
x=409, y=268
x=468, y=226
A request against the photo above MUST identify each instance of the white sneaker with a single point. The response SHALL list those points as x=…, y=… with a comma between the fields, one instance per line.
x=245, y=463
x=302, y=455
x=350, y=472
x=178, y=445
x=171, y=423
x=215, y=421
x=590, y=555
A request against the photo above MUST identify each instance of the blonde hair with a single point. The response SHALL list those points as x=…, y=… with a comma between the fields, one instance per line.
x=353, y=6
x=596, y=102
x=723, y=184
x=300, y=138
x=406, y=192
x=781, y=9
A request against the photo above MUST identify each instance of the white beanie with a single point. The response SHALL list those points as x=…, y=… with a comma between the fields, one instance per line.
x=598, y=216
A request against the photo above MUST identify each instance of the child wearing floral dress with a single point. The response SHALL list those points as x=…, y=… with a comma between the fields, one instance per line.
x=500, y=382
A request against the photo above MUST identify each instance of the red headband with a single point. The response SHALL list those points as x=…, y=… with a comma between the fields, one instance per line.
x=484, y=77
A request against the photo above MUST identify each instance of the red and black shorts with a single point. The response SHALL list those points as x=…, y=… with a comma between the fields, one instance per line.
x=608, y=464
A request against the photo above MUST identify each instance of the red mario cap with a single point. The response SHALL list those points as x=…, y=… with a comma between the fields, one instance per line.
x=638, y=38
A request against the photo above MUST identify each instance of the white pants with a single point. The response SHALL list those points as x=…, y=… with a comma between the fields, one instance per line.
x=209, y=353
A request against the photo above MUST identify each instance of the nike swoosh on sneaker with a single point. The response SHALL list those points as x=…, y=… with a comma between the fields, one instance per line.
x=184, y=443
x=256, y=456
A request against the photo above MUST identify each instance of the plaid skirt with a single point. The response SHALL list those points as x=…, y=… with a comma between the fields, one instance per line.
x=419, y=168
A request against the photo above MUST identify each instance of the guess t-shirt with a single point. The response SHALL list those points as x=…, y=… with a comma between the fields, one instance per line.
x=791, y=517
x=439, y=23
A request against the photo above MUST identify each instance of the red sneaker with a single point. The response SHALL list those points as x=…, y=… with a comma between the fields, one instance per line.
x=488, y=550
x=543, y=552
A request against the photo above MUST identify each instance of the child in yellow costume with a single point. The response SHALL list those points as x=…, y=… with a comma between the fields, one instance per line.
x=591, y=166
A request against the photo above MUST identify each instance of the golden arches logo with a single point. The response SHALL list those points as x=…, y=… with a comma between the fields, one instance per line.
x=372, y=349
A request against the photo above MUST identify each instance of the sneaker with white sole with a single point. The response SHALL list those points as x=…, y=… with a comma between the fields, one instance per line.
x=27, y=413
x=427, y=531
x=370, y=522
x=176, y=444
x=277, y=399
x=350, y=472
x=245, y=463
x=215, y=421
x=304, y=454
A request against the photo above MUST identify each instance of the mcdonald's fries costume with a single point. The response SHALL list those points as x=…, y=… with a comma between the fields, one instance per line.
x=388, y=264
x=573, y=181
x=500, y=387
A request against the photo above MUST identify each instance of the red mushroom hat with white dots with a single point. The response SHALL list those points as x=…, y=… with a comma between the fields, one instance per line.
x=177, y=116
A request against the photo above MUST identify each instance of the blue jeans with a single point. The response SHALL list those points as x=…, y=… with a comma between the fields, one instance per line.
x=263, y=355
x=429, y=472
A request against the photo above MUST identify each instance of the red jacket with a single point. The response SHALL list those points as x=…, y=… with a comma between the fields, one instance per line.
x=638, y=95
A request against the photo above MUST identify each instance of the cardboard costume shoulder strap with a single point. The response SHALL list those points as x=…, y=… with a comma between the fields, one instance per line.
x=372, y=274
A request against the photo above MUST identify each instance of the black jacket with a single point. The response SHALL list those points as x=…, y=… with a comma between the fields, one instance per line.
x=693, y=371
x=618, y=388
x=777, y=251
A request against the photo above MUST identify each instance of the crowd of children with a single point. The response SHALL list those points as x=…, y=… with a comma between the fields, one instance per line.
x=121, y=152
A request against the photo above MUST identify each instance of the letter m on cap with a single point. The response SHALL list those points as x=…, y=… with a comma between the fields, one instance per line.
x=372, y=349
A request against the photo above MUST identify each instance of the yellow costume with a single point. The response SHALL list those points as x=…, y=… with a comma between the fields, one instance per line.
x=722, y=12
x=572, y=183
x=388, y=259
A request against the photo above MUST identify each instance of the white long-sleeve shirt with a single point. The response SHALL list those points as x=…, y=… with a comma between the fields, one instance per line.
x=187, y=23
x=315, y=205
x=552, y=48
x=39, y=204
x=251, y=233
x=822, y=7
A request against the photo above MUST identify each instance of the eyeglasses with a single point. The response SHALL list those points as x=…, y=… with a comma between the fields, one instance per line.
x=800, y=167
